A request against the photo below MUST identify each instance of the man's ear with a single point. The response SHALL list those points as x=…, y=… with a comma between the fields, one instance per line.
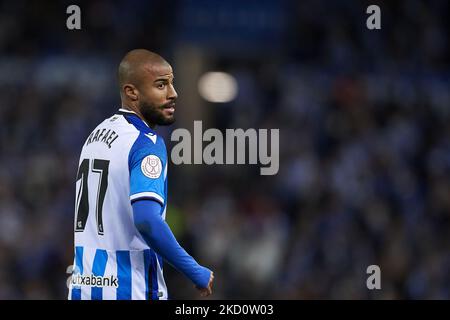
x=131, y=91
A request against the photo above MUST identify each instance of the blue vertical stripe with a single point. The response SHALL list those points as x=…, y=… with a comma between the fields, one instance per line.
x=76, y=292
x=148, y=285
x=154, y=275
x=98, y=269
x=124, y=275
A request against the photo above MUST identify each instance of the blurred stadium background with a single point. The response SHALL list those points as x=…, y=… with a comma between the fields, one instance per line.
x=364, y=141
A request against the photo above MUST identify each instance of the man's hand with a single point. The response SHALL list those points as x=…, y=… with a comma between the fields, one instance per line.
x=204, y=292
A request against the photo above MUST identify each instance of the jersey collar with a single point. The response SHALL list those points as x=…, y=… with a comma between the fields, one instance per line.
x=127, y=112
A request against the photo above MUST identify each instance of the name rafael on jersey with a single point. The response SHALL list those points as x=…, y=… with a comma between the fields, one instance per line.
x=107, y=137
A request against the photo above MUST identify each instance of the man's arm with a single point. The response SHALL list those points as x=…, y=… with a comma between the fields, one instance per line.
x=159, y=237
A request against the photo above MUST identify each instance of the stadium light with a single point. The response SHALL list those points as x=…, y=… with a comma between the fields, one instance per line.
x=218, y=87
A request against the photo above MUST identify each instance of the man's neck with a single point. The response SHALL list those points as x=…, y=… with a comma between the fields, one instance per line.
x=133, y=109
x=138, y=113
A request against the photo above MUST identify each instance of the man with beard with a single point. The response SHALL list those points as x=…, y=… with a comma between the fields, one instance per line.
x=121, y=237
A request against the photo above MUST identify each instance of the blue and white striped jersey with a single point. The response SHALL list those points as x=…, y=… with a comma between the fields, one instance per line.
x=122, y=160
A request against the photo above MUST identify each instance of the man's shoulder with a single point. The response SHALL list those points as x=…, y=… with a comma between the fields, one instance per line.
x=147, y=145
x=149, y=142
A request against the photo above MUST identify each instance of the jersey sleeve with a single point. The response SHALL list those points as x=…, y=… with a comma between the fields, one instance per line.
x=147, y=162
x=158, y=236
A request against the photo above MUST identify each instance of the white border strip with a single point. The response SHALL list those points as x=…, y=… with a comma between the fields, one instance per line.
x=147, y=194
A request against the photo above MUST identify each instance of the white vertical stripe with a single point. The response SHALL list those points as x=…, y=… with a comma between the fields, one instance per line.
x=88, y=259
x=110, y=292
x=137, y=275
x=161, y=283
x=165, y=172
x=164, y=213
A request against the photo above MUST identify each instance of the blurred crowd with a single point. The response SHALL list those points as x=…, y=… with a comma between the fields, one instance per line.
x=364, y=173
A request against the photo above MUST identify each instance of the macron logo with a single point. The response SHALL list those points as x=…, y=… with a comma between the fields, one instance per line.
x=151, y=136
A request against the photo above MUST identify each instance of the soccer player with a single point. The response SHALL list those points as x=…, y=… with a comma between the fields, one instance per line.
x=121, y=237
